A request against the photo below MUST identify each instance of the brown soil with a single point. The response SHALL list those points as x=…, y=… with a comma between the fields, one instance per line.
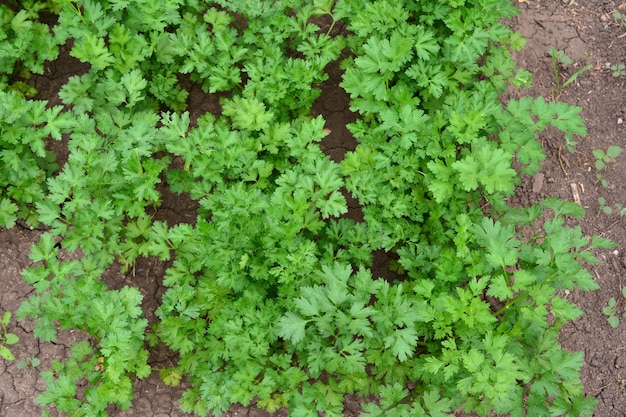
x=588, y=34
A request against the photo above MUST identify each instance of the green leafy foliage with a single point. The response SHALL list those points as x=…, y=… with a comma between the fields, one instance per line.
x=25, y=44
x=270, y=295
x=63, y=380
x=171, y=376
x=69, y=295
x=24, y=127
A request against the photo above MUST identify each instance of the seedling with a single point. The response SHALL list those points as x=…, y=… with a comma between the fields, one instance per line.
x=560, y=58
x=618, y=70
x=621, y=210
x=6, y=338
x=620, y=18
x=604, y=208
x=31, y=362
x=603, y=158
x=610, y=310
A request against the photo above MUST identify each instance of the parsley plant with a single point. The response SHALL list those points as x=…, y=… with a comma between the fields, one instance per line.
x=270, y=291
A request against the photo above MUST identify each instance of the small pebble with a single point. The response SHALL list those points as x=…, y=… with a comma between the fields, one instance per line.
x=620, y=120
x=595, y=362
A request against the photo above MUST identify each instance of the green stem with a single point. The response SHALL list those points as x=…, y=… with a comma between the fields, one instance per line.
x=332, y=25
x=575, y=75
x=511, y=303
x=78, y=13
x=557, y=78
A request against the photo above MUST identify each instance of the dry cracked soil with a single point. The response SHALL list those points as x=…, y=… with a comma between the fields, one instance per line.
x=587, y=32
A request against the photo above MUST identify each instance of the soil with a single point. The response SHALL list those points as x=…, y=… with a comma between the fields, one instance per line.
x=586, y=32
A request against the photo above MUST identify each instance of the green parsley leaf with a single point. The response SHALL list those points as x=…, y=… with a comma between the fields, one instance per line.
x=292, y=327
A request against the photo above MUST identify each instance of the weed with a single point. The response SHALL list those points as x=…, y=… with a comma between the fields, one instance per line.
x=621, y=210
x=620, y=18
x=602, y=159
x=602, y=180
x=31, y=362
x=604, y=208
x=559, y=57
x=610, y=310
x=6, y=338
x=618, y=70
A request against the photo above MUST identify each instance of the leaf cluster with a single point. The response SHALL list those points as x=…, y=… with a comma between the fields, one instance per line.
x=25, y=125
x=25, y=45
x=70, y=296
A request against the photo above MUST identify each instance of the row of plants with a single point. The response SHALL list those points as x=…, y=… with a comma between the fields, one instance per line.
x=270, y=295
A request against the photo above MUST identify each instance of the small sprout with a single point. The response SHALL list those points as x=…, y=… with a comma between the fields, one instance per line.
x=6, y=338
x=603, y=158
x=610, y=310
x=618, y=70
x=620, y=18
x=31, y=362
x=603, y=206
x=559, y=57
